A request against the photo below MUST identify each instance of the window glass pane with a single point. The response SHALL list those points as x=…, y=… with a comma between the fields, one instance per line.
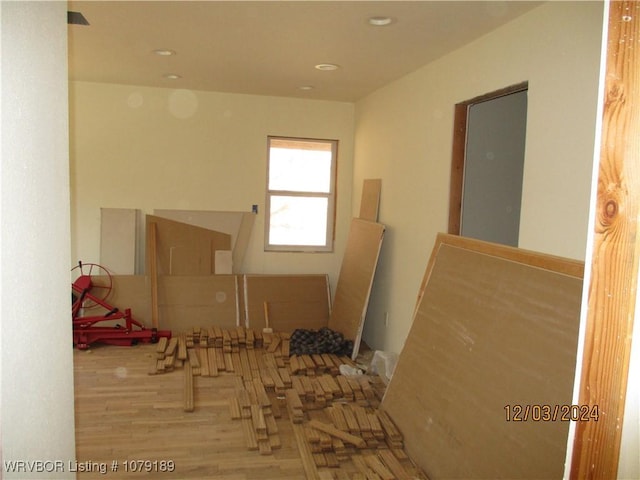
x=299, y=170
x=298, y=220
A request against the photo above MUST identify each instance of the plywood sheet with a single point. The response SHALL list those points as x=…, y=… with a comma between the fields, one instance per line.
x=198, y=301
x=370, y=201
x=237, y=224
x=355, y=279
x=127, y=291
x=184, y=301
x=184, y=249
x=294, y=301
x=118, y=239
x=495, y=328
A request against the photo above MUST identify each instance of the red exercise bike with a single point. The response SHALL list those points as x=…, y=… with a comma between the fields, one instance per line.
x=89, y=292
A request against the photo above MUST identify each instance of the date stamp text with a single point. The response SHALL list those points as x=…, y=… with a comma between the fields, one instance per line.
x=551, y=413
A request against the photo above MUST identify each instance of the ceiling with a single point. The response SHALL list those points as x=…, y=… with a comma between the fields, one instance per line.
x=272, y=47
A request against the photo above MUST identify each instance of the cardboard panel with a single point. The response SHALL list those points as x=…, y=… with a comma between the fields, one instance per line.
x=355, y=280
x=294, y=301
x=370, y=201
x=118, y=239
x=495, y=330
x=184, y=249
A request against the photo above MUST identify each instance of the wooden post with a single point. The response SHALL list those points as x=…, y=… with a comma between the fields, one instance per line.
x=153, y=271
x=614, y=261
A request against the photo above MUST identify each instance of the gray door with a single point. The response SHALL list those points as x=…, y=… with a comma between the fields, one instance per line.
x=494, y=161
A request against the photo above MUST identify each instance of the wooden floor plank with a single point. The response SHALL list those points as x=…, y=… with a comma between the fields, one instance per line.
x=146, y=421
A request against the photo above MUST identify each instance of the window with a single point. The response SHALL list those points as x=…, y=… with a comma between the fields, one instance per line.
x=301, y=195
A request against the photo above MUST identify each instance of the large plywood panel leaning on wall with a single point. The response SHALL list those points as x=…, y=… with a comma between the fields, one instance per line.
x=126, y=291
x=184, y=249
x=237, y=224
x=198, y=301
x=184, y=301
x=292, y=301
x=356, y=279
x=493, y=339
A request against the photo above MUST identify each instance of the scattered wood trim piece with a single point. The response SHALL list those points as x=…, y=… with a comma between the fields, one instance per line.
x=213, y=362
x=182, y=347
x=393, y=464
x=344, y=436
x=311, y=472
x=249, y=434
x=162, y=346
x=377, y=466
x=204, y=362
x=188, y=388
x=234, y=408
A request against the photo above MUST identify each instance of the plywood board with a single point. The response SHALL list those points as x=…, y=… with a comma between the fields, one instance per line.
x=370, y=201
x=118, y=239
x=184, y=249
x=495, y=330
x=294, y=301
x=355, y=280
x=184, y=301
x=127, y=291
x=152, y=271
x=237, y=224
x=198, y=301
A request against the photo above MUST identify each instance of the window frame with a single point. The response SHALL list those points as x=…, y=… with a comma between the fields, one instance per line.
x=331, y=196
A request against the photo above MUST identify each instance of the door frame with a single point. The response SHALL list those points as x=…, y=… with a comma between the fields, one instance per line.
x=613, y=255
x=458, y=151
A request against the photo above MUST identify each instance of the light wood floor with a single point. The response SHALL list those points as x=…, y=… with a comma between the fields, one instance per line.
x=125, y=414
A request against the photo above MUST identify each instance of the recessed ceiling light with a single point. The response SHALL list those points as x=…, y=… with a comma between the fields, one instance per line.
x=380, y=21
x=306, y=87
x=164, y=52
x=327, y=67
x=172, y=76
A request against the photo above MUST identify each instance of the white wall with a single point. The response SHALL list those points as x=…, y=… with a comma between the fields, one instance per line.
x=37, y=355
x=404, y=136
x=629, y=463
x=153, y=148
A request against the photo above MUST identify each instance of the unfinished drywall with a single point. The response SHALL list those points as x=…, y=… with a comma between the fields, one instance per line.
x=119, y=229
x=490, y=354
x=128, y=150
x=404, y=136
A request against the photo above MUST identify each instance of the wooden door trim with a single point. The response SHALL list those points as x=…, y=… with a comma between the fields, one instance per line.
x=458, y=151
x=614, y=257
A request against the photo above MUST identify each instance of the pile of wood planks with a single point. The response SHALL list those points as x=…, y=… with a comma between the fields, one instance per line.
x=253, y=407
x=347, y=430
x=335, y=418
